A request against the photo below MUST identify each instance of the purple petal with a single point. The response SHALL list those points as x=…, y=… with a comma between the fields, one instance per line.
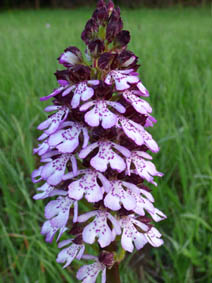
x=49, y=230
x=143, y=90
x=42, y=148
x=54, y=93
x=92, y=118
x=36, y=173
x=93, y=82
x=68, y=57
x=51, y=108
x=48, y=191
x=84, y=217
x=87, y=105
x=153, y=237
x=68, y=90
x=84, y=152
x=157, y=215
x=121, y=149
x=118, y=106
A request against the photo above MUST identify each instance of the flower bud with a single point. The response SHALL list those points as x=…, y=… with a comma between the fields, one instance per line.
x=90, y=29
x=107, y=258
x=103, y=90
x=127, y=59
x=79, y=73
x=100, y=4
x=114, y=25
x=110, y=7
x=96, y=47
x=62, y=75
x=122, y=38
x=100, y=15
x=105, y=60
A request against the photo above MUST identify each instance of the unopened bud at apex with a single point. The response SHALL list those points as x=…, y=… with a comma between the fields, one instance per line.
x=122, y=39
x=96, y=47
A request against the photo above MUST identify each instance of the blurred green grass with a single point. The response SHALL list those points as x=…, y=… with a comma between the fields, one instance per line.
x=175, y=48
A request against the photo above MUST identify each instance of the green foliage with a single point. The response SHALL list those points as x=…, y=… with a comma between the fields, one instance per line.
x=175, y=48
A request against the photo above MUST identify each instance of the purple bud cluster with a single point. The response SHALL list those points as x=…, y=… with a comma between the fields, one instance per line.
x=94, y=147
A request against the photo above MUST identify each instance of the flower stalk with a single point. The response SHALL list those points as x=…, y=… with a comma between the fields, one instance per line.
x=95, y=146
x=113, y=275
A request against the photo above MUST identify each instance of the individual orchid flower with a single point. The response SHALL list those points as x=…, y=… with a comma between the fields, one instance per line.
x=71, y=252
x=99, y=227
x=122, y=79
x=153, y=236
x=88, y=273
x=118, y=195
x=57, y=211
x=54, y=121
x=49, y=230
x=137, y=133
x=100, y=113
x=130, y=196
x=140, y=105
x=144, y=200
x=145, y=169
x=54, y=170
x=87, y=185
x=130, y=233
x=67, y=140
x=82, y=91
x=106, y=156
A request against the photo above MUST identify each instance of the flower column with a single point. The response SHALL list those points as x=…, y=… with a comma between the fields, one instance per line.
x=95, y=147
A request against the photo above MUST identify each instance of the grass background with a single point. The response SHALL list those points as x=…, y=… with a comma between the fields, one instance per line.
x=175, y=49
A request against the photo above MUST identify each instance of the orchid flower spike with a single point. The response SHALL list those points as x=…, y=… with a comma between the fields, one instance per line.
x=95, y=148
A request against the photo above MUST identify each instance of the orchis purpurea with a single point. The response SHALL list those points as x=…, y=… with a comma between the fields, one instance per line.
x=93, y=150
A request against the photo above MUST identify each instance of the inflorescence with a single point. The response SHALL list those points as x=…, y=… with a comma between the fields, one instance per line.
x=95, y=147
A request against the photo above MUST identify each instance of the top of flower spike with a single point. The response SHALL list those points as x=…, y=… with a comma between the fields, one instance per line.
x=105, y=23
